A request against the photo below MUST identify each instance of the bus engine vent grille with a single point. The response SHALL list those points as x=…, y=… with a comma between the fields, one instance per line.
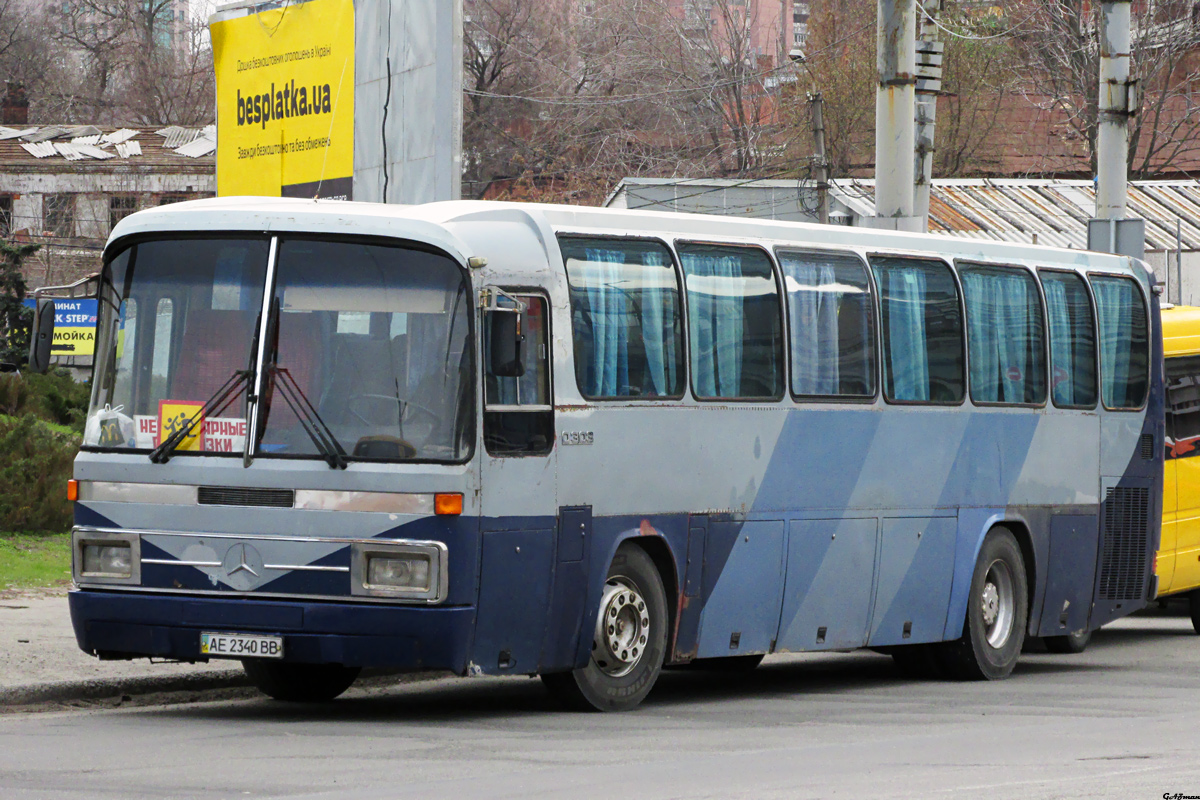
x=1147, y=444
x=1123, y=559
x=238, y=496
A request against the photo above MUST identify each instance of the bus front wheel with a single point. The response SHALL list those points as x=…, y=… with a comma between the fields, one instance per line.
x=997, y=613
x=628, y=641
x=300, y=683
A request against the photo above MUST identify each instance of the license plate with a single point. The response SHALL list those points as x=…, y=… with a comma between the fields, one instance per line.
x=240, y=645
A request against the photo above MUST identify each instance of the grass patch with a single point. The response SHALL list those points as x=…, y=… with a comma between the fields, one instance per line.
x=34, y=560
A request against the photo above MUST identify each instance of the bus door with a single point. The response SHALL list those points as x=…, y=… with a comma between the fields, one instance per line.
x=518, y=483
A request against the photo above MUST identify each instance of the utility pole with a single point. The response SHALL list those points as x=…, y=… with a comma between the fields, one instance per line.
x=820, y=162
x=895, y=115
x=929, y=86
x=1110, y=231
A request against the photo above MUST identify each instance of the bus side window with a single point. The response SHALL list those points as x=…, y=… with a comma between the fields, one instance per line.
x=1005, y=335
x=518, y=417
x=1124, y=342
x=626, y=319
x=922, y=331
x=832, y=324
x=734, y=325
x=1183, y=405
x=1072, y=340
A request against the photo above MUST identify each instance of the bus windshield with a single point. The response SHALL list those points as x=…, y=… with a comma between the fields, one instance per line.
x=367, y=343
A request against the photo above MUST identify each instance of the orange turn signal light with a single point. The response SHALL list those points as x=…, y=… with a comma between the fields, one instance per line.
x=447, y=504
x=72, y=490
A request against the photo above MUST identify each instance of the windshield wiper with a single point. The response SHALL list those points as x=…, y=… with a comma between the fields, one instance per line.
x=322, y=437
x=213, y=407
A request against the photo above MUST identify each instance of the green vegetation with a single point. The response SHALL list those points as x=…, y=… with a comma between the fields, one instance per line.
x=30, y=560
x=41, y=423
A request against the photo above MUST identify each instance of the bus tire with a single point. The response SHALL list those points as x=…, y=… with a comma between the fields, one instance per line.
x=1070, y=643
x=629, y=640
x=1194, y=609
x=300, y=683
x=997, y=613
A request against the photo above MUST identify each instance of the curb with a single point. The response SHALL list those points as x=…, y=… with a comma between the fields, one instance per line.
x=109, y=688
x=97, y=689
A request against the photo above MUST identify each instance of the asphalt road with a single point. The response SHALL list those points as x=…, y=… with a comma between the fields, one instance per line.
x=1121, y=720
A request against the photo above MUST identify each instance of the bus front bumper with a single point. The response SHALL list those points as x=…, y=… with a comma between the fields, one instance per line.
x=113, y=624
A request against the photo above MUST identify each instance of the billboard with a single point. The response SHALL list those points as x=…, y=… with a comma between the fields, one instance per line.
x=74, y=326
x=285, y=100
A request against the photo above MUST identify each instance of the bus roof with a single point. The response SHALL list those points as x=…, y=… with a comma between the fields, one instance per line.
x=1181, y=331
x=435, y=224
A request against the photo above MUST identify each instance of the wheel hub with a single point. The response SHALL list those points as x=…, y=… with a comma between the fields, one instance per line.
x=998, y=604
x=991, y=603
x=622, y=629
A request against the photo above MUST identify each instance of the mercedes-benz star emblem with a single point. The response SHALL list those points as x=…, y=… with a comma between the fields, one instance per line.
x=243, y=567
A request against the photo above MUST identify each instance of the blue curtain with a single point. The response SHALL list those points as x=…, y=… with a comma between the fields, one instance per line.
x=610, y=333
x=717, y=319
x=813, y=306
x=909, y=356
x=1062, y=355
x=1114, y=307
x=998, y=320
x=660, y=343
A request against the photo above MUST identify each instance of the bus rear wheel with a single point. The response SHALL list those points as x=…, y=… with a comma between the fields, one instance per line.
x=997, y=613
x=300, y=683
x=1068, y=643
x=628, y=641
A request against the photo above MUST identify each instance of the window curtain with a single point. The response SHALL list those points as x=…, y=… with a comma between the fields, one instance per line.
x=660, y=343
x=1062, y=355
x=610, y=334
x=717, y=320
x=1114, y=304
x=909, y=355
x=999, y=331
x=813, y=306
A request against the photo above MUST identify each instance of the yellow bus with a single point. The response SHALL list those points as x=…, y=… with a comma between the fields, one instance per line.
x=1179, y=552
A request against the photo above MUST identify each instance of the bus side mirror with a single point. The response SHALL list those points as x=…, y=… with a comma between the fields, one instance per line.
x=504, y=344
x=41, y=336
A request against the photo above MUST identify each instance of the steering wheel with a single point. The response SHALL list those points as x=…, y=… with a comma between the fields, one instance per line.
x=355, y=406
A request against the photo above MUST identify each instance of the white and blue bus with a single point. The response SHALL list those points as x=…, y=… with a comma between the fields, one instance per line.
x=586, y=444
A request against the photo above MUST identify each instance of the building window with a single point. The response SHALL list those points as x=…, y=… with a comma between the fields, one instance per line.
x=6, y=214
x=58, y=215
x=172, y=197
x=120, y=206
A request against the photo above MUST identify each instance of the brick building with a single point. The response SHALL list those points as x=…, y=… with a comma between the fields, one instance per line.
x=65, y=186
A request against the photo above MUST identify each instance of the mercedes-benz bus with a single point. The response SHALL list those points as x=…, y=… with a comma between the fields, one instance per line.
x=586, y=444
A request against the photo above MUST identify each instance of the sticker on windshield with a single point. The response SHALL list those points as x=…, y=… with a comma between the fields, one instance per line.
x=173, y=416
x=221, y=434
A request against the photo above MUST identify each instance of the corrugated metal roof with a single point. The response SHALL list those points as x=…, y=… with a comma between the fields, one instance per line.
x=197, y=148
x=40, y=148
x=1057, y=211
x=116, y=137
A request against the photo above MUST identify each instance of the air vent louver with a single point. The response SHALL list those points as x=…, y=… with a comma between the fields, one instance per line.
x=1123, y=558
x=236, y=496
x=1147, y=446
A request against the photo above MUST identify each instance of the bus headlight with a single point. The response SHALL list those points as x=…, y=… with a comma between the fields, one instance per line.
x=402, y=570
x=108, y=560
x=411, y=572
x=105, y=556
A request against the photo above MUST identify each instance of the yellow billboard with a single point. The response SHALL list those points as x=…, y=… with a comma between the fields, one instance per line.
x=285, y=101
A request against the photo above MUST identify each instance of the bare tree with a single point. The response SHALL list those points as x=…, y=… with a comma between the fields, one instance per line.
x=1060, y=56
